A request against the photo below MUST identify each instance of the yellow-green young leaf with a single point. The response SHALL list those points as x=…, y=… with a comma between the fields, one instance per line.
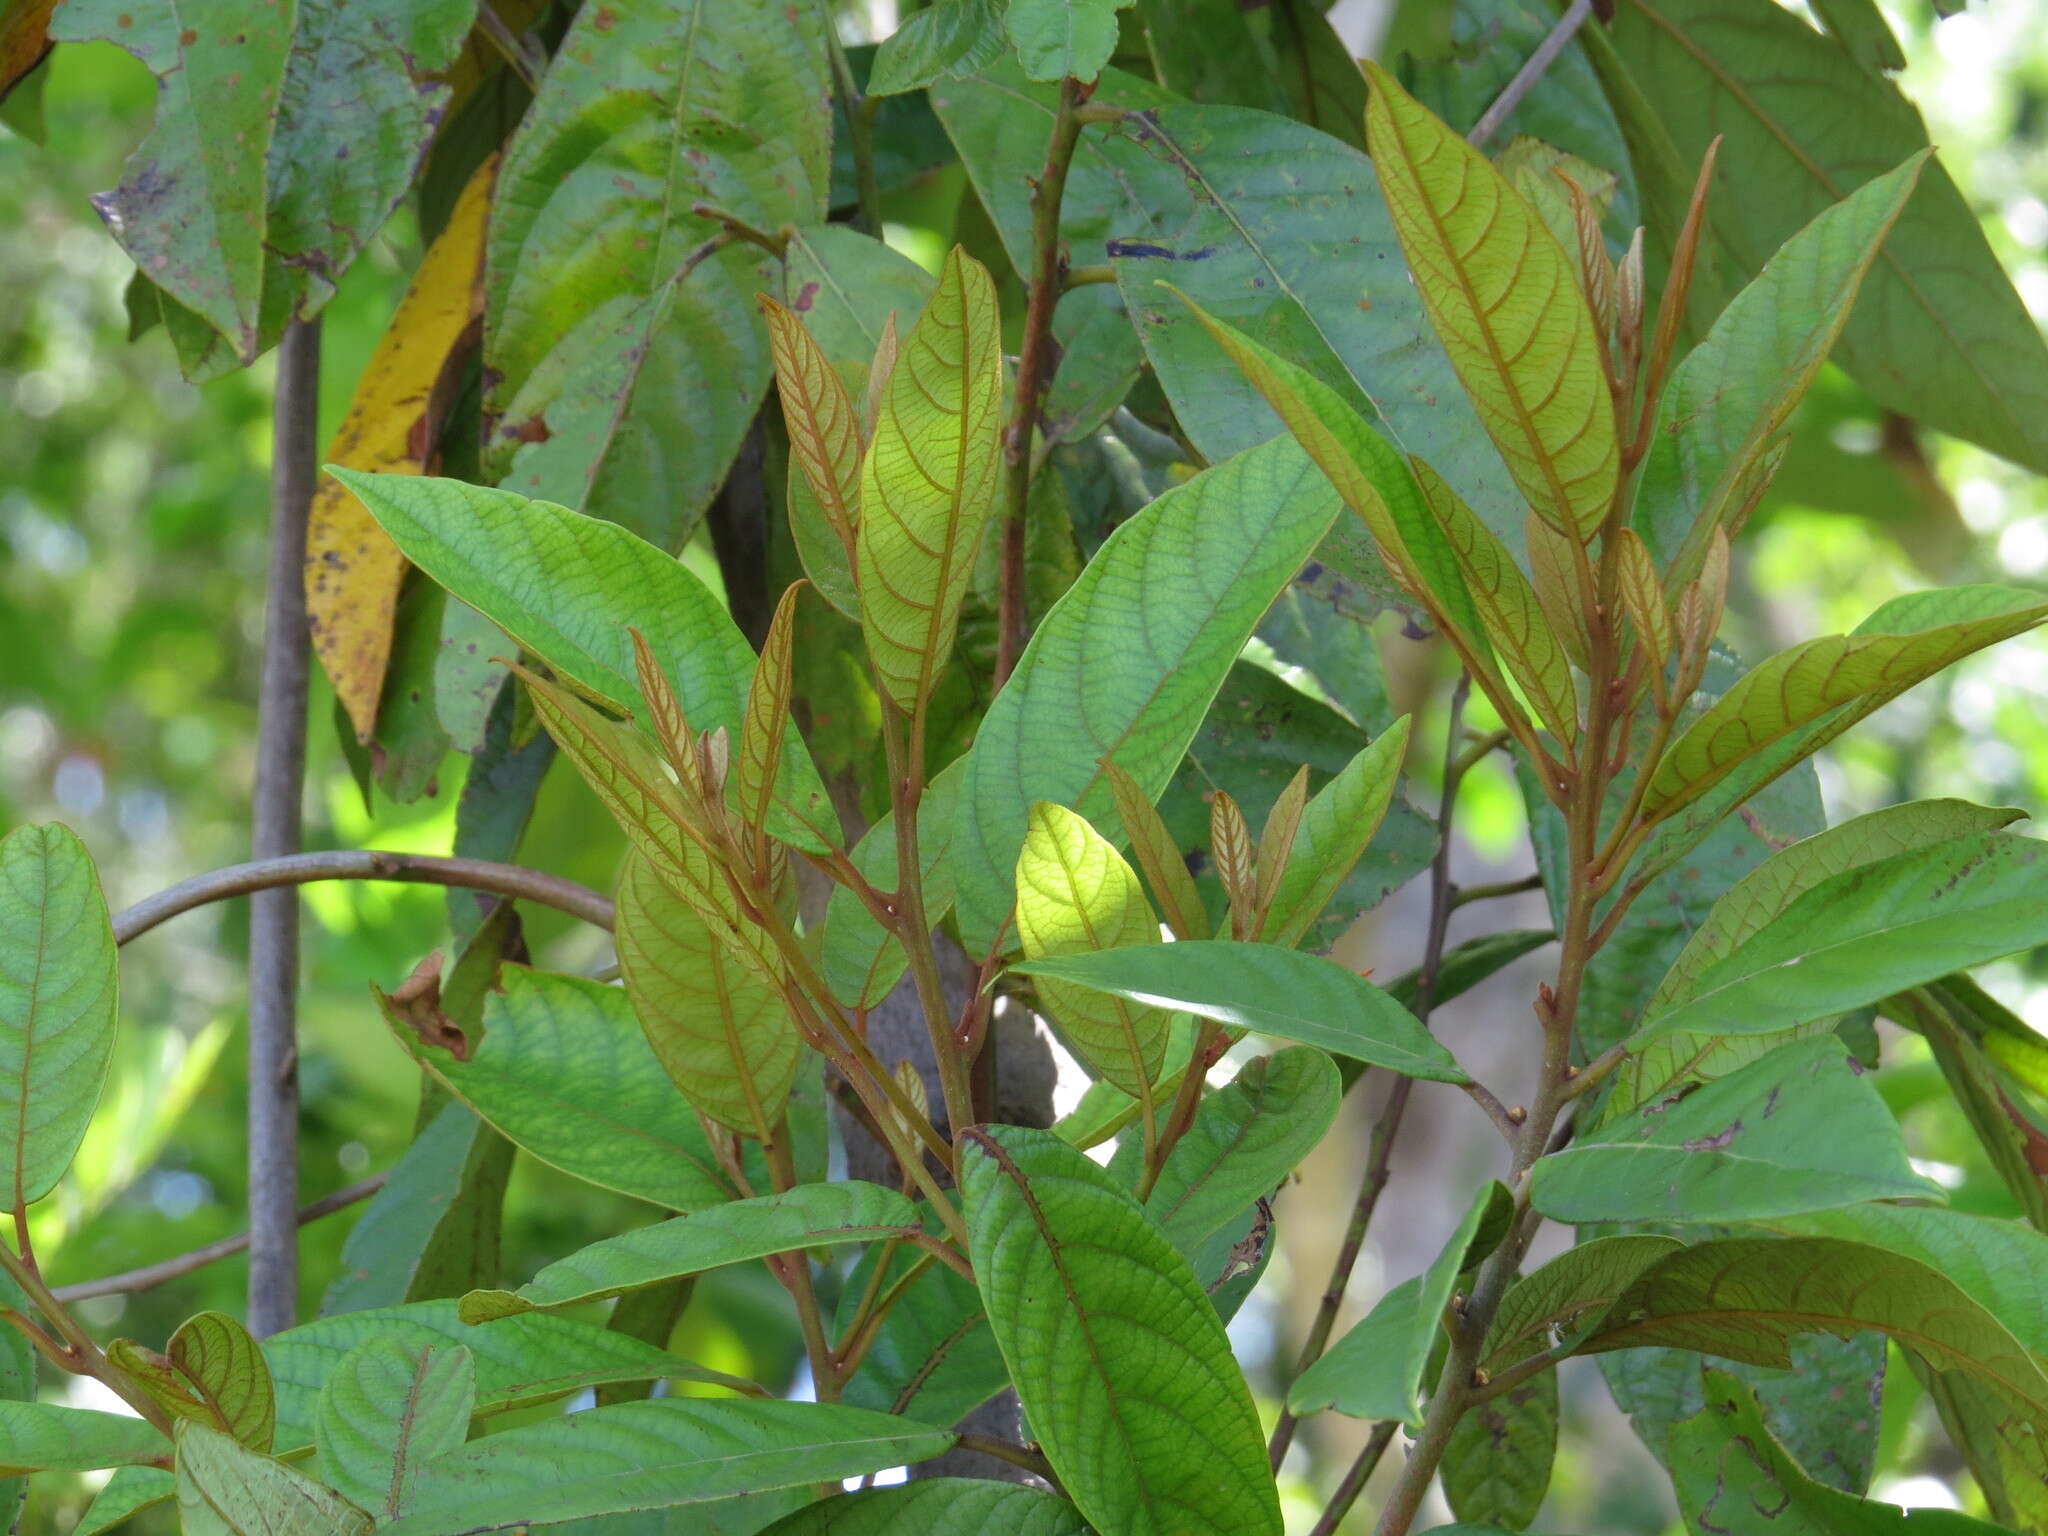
x=1276, y=837
x=824, y=435
x=1159, y=856
x=1796, y=688
x=1336, y=826
x=928, y=481
x=1368, y=472
x=630, y=782
x=718, y=1028
x=1555, y=560
x=1642, y=597
x=1507, y=304
x=766, y=730
x=1075, y=895
x=227, y=1490
x=219, y=1357
x=1230, y=850
x=1507, y=608
x=57, y=1007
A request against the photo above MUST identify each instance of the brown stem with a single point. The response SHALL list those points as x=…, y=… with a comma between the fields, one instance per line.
x=1464, y=895
x=1539, y=62
x=1015, y=1455
x=134, y=1281
x=363, y=864
x=275, y=831
x=860, y=127
x=1355, y=1478
x=1035, y=365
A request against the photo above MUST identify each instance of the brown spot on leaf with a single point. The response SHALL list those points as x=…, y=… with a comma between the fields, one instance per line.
x=417, y=1005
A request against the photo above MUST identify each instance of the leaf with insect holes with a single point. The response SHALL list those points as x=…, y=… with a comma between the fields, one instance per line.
x=1801, y=1129
x=1279, y=992
x=928, y=482
x=1075, y=895
x=1507, y=305
x=720, y=1031
x=1116, y=1352
x=386, y=1412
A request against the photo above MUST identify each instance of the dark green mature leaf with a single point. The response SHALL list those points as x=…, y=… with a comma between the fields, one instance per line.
x=520, y=1361
x=1375, y=1371
x=653, y=1455
x=1115, y=1350
x=570, y=588
x=939, y=1506
x=1056, y=38
x=1279, y=992
x=1759, y=897
x=934, y=1357
x=1208, y=51
x=1280, y=232
x=565, y=1071
x=1799, y=1130
x=1748, y=1298
x=1938, y=332
x=1802, y=698
x=1126, y=663
x=606, y=323
x=1735, y=392
x=433, y=1229
x=809, y=1216
x=948, y=38
x=57, y=1012
x=999, y=123
x=1245, y=1140
x=1569, y=1294
x=225, y=1489
x=42, y=1437
x=127, y=1493
x=1871, y=931
x=1497, y=1465
x=386, y=1412
x=1731, y=1472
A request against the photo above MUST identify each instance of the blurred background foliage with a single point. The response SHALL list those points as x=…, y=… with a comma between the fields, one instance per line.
x=132, y=510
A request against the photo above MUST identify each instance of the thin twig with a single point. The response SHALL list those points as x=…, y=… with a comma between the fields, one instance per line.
x=1355, y=1478
x=1525, y=79
x=363, y=864
x=1463, y=895
x=275, y=832
x=514, y=49
x=860, y=127
x=1015, y=1455
x=151, y=1275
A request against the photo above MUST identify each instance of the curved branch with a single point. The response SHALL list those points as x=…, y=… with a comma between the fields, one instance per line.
x=156, y=1274
x=510, y=880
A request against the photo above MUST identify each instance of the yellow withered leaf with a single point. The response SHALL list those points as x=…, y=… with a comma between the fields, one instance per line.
x=353, y=570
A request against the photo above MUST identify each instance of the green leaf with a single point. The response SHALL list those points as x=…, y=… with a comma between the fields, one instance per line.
x=1727, y=1466
x=1116, y=1353
x=564, y=1071
x=1243, y=1143
x=1338, y=823
x=386, y=1412
x=1806, y=696
x=1799, y=1130
x=1191, y=575
x=928, y=482
x=1207, y=50
x=940, y=1506
x=1076, y=895
x=1279, y=992
x=1281, y=232
x=1735, y=392
x=1868, y=932
x=520, y=1361
x=433, y=1229
x=192, y=205
x=605, y=321
x=212, y=1373
x=1667, y=1061
x=1375, y=1371
x=934, y=1357
x=1938, y=332
x=225, y=1489
x=720, y=1031
x=42, y=1437
x=809, y=1216
x=952, y=38
x=124, y=1495
x=1748, y=1298
x=1507, y=305
x=17, y=1385
x=1570, y=1294
x=859, y=958
x=1496, y=1467
x=1057, y=38
x=569, y=588
x=57, y=1008
x=663, y=1454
